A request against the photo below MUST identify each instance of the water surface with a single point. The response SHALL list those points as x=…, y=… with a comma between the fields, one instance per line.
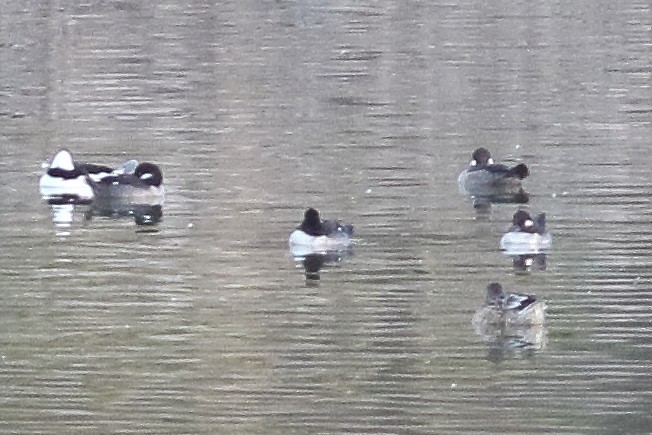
x=256, y=110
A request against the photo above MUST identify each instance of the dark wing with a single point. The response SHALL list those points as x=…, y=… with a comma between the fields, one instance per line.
x=91, y=168
x=517, y=302
x=334, y=227
x=519, y=171
x=496, y=169
x=312, y=230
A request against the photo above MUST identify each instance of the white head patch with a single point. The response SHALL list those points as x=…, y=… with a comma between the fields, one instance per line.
x=490, y=161
x=528, y=223
x=474, y=163
x=146, y=176
x=63, y=160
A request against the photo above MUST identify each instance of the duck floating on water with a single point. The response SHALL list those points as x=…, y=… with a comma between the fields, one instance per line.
x=315, y=235
x=67, y=180
x=505, y=309
x=527, y=241
x=143, y=186
x=488, y=182
x=527, y=235
x=511, y=324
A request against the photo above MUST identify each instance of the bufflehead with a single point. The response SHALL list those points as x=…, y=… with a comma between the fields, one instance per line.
x=526, y=235
x=143, y=186
x=505, y=309
x=315, y=235
x=67, y=180
x=491, y=181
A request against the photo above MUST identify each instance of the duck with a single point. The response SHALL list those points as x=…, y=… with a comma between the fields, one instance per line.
x=315, y=235
x=144, y=186
x=527, y=235
x=69, y=181
x=496, y=182
x=502, y=309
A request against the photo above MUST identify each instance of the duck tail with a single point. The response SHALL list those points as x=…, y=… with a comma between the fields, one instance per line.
x=348, y=229
x=537, y=313
x=334, y=227
x=520, y=171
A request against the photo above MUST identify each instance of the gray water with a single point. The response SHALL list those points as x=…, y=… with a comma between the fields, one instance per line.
x=367, y=110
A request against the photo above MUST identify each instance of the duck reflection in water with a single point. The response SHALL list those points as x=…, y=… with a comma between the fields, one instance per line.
x=486, y=182
x=145, y=216
x=316, y=243
x=314, y=263
x=511, y=324
x=527, y=241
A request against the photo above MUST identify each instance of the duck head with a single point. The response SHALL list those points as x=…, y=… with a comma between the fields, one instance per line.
x=481, y=156
x=312, y=223
x=523, y=221
x=149, y=173
x=63, y=160
x=311, y=216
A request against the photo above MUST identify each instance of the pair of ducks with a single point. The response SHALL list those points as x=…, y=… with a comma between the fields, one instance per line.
x=69, y=181
x=134, y=190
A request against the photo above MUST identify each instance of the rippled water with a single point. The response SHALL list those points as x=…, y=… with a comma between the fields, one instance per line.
x=367, y=110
